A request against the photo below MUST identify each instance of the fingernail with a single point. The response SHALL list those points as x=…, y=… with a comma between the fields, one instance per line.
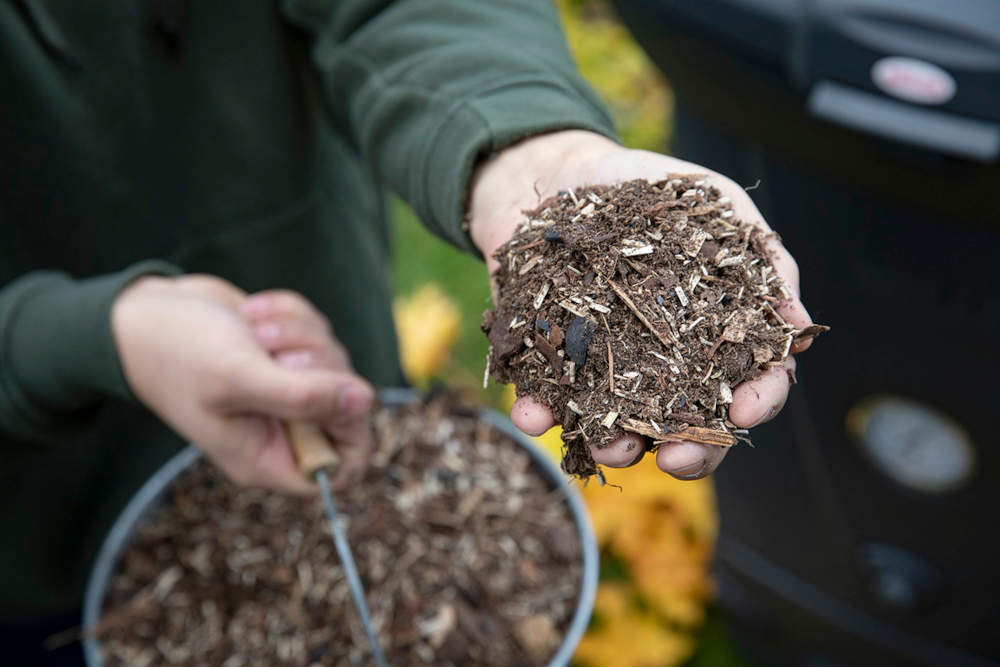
x=268, y=331
x=693, y=471
x=354, y=401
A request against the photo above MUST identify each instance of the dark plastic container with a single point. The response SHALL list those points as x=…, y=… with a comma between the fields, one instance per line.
x=859, y=530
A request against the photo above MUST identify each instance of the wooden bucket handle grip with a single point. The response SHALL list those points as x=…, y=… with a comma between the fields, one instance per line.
x=313, y=450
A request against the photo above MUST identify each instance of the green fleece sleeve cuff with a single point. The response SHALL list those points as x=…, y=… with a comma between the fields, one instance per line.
x=423, y=89
x=57, y=353
x=487, y=123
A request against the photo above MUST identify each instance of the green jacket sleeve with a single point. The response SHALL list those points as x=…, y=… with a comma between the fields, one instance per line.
x=57, y=355
x=426, y=87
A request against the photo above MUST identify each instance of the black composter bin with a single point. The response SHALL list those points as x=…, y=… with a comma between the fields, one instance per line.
x=861, y=529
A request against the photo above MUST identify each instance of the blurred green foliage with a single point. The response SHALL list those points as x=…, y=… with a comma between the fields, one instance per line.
x=420, y=258
x=619, y=70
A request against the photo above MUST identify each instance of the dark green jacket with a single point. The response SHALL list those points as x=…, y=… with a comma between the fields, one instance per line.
x=246, y=139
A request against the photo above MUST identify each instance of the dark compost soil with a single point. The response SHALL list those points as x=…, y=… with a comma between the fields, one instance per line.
x=637, y=307
x=467, y=555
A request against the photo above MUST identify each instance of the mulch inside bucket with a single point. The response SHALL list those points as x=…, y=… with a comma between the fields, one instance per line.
x=467, y=554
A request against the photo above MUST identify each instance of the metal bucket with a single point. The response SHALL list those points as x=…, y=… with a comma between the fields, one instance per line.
x=152, y=493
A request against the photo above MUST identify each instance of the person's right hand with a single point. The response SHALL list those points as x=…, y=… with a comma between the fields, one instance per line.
x=517, y=178
x=226, y=371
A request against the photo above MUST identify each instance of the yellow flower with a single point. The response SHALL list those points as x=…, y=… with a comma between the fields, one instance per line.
x=645, y=483
x=621, y=73
x=677, y=591
x=428, y=325
x=626, y=636
x=664, y=531
x=672, y=578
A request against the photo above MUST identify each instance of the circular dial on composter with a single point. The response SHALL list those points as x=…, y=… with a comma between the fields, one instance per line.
x=913, y=443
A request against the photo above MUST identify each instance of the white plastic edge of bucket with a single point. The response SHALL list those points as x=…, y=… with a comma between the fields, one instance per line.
x=152, y=491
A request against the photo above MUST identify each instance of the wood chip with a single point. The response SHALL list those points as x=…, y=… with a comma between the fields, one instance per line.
x=787, y=346
x=556, y=335
x=692, y=245
x=730, y=261
x=810, y=331
x=660, y=336
x=542, y=293
x=611, y=368
x=486, y=371
x=642, y=428
x=530, y=264
x=641, y=250
x=550, y=352
x=689, y=418
x=741, y=321
x=635, y=398
x=700, y=435
x=579, y=311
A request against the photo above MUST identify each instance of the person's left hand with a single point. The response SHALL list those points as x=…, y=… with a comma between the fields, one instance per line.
x=518, y=178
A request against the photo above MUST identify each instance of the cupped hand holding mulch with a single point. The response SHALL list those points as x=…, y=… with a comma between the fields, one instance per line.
x=654, y=310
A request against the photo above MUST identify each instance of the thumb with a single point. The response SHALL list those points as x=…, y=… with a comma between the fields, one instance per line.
x=312, y=394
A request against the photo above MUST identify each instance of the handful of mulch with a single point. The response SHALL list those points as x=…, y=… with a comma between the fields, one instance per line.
x=468, y=556
x=637, y=307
